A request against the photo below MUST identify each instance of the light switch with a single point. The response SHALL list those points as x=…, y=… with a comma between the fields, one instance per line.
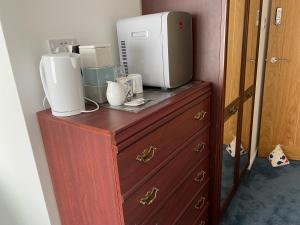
x=278, y=16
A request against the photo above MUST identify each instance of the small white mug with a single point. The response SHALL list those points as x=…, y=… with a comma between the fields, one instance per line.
x=137, y=83
x=115, y=93
x=128, y=85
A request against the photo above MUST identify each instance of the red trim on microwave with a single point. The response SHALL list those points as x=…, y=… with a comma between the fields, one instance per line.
x=181, y=25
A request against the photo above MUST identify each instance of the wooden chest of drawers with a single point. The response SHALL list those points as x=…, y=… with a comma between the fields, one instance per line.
x=119, y=168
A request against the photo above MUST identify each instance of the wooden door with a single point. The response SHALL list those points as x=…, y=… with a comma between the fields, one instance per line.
x=280, y=122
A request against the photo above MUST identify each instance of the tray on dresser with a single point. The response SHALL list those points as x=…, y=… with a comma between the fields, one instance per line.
x=152, y=97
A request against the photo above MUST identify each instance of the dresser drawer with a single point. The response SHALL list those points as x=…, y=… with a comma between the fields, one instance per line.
x=163, y=184
x=203, y=220
x=142, y=157
x=197, y=210
x=178, y=202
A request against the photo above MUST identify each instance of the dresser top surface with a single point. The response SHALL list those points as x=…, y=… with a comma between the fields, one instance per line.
x=113, y=122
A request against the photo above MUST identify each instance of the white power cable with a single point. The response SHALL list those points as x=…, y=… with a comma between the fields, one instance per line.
x=84, y=111
x=93, y=110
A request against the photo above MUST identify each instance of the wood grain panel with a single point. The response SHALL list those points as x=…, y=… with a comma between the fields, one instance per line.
x=231, y=108
x=82, y=169
x=246, y=124
x=234, y=50
x=230, y=128
x=280, y=122
x=252, y=42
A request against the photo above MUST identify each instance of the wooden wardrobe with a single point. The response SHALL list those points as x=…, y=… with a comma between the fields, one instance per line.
x=242, y=52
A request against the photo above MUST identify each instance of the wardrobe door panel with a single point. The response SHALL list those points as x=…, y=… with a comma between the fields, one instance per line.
x=232, y=98
x=252, y=43
x=234, y=50
x=228, y=159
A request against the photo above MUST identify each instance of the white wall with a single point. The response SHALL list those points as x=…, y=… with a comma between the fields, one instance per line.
x=26, y=26
x=260, y=79
x=21, y=197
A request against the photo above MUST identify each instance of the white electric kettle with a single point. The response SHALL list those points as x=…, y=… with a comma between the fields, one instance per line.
x=62, y=83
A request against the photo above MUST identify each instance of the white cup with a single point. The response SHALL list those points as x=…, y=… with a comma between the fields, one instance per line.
x=115, y=93
x=137, y=83
x=128, y=85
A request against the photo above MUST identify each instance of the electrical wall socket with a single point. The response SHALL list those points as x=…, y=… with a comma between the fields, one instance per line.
x=60, y=45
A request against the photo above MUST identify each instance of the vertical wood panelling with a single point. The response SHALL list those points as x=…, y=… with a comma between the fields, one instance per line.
x=230, y=129
x=246, y=127
x=234, y=50
x=252, y=43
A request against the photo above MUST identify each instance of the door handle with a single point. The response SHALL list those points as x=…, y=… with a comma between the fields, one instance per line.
x=275, y=59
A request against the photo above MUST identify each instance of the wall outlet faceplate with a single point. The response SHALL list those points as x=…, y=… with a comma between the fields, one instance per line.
x=60, y=45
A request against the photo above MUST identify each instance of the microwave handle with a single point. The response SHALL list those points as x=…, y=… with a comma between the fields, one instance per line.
x=43, y=79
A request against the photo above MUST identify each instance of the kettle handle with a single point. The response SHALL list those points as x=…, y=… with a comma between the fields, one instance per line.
x=43, y=79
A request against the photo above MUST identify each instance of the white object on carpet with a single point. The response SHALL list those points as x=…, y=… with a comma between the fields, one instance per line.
x=232, y=146
x=277, y=157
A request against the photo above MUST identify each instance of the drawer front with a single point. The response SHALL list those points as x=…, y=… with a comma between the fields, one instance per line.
x=178, y=202
x=197, y=209
x=203, y=220
x=163, y=184
x=149, y=152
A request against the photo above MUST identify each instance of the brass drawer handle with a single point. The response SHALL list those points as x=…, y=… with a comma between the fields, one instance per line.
x=202, y=222
x=149, y=197
x=233, y=109
x=200, y=176
x=199, y=147
x=146, y=155
x=200, y=203
x=200, y=115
